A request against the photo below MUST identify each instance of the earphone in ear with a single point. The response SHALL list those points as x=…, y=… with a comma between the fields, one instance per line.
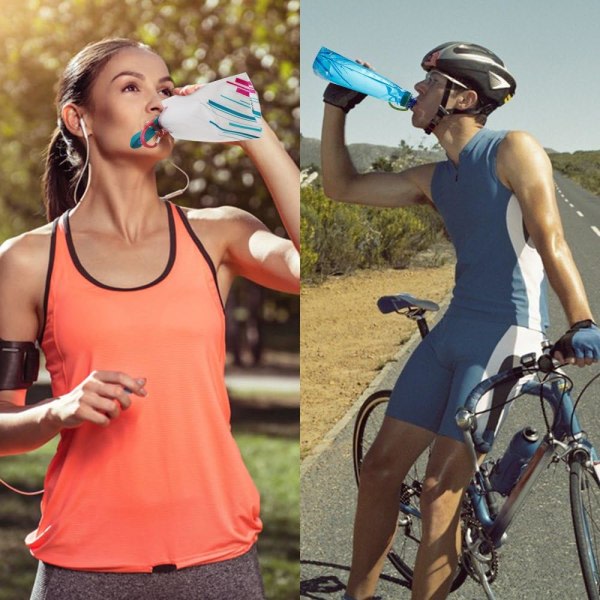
x=86, y=165
x=83, y=127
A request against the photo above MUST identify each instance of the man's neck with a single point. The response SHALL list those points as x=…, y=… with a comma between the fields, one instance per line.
x=454, y=133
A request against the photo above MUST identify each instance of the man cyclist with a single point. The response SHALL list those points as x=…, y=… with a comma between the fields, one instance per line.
x=495, y=193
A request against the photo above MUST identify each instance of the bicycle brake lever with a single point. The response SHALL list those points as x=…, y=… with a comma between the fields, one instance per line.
x=547, y=364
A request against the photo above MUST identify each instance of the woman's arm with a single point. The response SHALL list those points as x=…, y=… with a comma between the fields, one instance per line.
x=247, y=247
x=259, y=255
x=21, y=283
x=240, y=244
x=281, y=176
x=278, y=170
x=254, y=252
x=98, y=399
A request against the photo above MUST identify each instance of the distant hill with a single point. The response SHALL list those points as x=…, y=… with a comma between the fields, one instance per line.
x=363, y=155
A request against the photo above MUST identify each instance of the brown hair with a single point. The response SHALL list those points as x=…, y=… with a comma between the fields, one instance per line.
x=65, y=155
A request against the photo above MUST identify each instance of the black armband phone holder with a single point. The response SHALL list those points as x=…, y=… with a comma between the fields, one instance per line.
x=19, y=364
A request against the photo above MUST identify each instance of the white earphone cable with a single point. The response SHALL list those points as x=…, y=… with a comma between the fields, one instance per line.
x=86, y=165
x=180, y=191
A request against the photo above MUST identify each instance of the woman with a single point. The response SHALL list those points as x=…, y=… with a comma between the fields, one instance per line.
x=147, y=495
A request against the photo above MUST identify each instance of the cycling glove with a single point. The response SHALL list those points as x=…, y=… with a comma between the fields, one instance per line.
x=581, y=341
x=342, y=97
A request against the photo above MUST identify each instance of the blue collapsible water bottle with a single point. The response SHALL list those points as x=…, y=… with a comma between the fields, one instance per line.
x=508, y=469
x=349, y=74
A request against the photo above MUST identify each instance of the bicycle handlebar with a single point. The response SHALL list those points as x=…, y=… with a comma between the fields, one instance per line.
x=466, y=417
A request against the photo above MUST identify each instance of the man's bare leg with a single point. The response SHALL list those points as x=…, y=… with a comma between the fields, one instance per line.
x=448, y=473
x=394, y=451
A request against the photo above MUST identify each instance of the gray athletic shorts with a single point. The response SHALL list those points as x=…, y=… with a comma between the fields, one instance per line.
x=235, y=579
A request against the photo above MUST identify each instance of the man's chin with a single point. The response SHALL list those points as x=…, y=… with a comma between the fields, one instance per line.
x=417, y=122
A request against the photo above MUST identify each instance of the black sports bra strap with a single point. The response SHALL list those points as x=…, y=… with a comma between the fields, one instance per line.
x=49, y=275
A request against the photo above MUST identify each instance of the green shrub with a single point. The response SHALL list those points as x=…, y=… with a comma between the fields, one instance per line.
x=583, y=167
x=339, y=238
x=308, y=255
x=403, y=233
x=330, y=235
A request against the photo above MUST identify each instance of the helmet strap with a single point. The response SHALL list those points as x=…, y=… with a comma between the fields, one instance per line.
x=442, y=110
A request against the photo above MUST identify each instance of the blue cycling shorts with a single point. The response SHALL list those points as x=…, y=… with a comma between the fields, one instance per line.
x=458, y=354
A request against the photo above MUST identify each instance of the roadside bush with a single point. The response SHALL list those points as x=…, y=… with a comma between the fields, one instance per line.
x=582, y=166
x=332, y=232
x=339, y=238
x=309, y=257
x=403, y=233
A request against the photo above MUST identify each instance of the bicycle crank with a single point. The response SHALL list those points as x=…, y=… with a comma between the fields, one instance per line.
x=479, y=557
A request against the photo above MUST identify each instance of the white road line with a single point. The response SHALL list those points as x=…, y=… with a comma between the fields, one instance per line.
x=579, y=213
x=596, y=230
x=571, y=205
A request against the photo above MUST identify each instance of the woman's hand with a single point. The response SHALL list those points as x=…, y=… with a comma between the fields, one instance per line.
x=99, y=399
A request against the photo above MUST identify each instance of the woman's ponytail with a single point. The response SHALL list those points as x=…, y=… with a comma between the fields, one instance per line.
x=59, y=177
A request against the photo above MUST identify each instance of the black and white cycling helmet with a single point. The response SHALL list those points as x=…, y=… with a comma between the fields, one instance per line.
x=476, y=68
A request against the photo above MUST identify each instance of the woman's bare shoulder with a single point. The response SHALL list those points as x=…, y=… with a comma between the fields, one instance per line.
x=217, y=213
x=224, y=222
x=26, y=254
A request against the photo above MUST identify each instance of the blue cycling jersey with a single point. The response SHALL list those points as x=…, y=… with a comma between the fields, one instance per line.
x=499, y=273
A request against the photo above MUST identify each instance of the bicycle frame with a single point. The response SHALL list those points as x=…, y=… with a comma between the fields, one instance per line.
x=566, y=435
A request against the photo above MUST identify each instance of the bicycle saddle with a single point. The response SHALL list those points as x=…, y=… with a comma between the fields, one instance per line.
x=388, y=304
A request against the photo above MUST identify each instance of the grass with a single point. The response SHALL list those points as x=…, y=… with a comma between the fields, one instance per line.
x=18, y=516
x=273, y=462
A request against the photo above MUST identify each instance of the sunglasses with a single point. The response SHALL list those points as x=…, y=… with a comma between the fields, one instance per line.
x=433, y=77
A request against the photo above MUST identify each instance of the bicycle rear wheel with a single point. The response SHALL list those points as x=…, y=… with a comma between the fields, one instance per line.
x=403, y=553
x=585, y=509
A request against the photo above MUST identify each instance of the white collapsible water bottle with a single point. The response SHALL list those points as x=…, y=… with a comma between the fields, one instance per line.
x=222, y=111
x=349, y=74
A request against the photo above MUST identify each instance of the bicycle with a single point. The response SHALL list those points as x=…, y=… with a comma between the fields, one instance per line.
x=490, y=505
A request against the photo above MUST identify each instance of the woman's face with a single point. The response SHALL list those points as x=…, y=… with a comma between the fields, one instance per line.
x=125, y=96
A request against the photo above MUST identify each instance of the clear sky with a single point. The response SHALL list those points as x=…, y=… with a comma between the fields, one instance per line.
x=552, y=48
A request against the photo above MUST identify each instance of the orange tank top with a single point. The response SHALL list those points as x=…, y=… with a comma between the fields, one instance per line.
x=164, y=484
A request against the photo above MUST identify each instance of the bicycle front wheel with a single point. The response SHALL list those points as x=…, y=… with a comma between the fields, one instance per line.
x=403, y=553
x=585, y=508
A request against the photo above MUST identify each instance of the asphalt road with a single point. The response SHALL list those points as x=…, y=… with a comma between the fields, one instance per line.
x=540, y=558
